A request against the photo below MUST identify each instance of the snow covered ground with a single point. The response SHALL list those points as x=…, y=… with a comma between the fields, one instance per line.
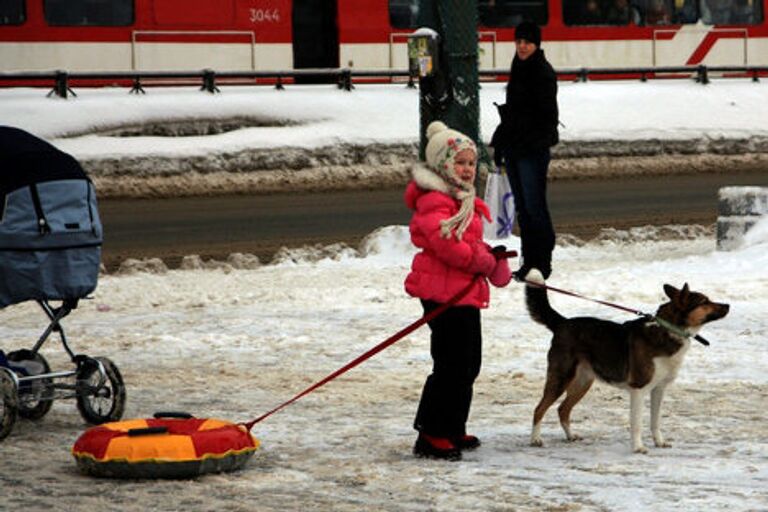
x=316, y=116
x=233, y=343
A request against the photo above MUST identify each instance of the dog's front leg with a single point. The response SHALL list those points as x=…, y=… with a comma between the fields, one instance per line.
x=636, y=420
x=657, y=395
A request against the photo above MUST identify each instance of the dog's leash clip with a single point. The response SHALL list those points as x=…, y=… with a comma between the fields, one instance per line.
x=701, y=340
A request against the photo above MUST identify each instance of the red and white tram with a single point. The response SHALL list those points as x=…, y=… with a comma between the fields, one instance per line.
x=269, y=35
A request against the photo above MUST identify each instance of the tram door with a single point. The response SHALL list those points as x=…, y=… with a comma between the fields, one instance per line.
x=315, y=37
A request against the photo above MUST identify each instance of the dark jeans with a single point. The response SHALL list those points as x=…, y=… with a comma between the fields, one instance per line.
x=528, y=179
x=456, y=353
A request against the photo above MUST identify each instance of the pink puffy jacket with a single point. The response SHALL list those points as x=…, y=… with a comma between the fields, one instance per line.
x=445, y=266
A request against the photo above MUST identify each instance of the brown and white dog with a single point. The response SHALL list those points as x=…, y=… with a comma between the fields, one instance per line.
x=639, y=355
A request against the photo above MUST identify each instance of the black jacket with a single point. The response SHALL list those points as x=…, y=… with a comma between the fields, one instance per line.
x=529, y=118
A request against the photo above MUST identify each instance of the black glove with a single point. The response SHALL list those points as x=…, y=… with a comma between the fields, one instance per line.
x=498, y=251
x=498, y=140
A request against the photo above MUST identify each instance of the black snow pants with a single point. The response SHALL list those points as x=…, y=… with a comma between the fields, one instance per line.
x=455, y=346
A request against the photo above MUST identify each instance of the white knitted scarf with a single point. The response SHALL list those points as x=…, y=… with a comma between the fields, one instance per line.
x=463, y=192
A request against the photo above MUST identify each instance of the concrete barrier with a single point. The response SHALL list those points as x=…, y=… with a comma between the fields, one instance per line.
x=739, y=208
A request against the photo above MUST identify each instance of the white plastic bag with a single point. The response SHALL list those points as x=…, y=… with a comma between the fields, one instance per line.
x=498, y=195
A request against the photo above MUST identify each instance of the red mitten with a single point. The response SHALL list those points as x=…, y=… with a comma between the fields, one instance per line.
x=483, y=261
x=501, y=275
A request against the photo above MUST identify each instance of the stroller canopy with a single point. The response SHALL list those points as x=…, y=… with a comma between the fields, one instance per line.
x=50, y=231
x=27, y=159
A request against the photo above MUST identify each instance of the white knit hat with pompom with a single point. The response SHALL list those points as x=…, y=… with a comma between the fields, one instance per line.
x=442, y=147
x=444, y=143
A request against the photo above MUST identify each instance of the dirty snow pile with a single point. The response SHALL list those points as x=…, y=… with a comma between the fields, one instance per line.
x=178, y=141
x=234, y=343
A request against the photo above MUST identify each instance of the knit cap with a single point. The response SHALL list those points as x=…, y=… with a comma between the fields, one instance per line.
x=528, y=31
x=443, y=146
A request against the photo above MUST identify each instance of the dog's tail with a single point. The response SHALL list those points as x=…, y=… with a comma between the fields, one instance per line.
x=538, y=302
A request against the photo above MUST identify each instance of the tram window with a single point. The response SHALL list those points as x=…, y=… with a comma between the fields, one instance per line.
x=509, y=13
x=404, y=13
x=89, y=12
x=492, y=13
x=658, y=12
x=12, y=12
x=599, y=12
x=686, y=11
x=654, y=12
x=730, y=12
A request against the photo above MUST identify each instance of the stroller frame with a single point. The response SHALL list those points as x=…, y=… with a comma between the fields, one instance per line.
x=98, y=386
x=50, y=246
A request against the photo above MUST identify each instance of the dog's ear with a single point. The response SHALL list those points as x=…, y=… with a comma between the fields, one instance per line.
x=671, y=291
x=684, y=293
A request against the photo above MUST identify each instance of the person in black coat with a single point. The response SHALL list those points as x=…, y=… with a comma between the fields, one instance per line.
x=522, y=143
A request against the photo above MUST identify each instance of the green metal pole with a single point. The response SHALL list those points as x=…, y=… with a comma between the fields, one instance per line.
x=451, y=94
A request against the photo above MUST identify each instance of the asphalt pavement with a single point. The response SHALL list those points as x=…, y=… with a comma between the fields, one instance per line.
x=214, y=227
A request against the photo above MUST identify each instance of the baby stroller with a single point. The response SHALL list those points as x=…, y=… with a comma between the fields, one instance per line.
x=50, y=250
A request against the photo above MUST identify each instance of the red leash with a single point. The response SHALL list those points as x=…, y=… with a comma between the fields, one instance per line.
x=372, y=352
x=660, y=321
x=574, y=294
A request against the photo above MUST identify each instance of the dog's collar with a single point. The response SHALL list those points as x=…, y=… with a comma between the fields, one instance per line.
x=674, y=329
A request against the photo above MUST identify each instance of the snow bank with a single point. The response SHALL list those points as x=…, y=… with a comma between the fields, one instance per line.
x=261, y=140
x=316, y=116
x=739, y=209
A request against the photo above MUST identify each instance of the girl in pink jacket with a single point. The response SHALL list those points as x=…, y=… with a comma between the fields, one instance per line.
x=447, y=226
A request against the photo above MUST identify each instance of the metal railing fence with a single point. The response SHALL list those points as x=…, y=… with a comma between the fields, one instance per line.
x=61, y=82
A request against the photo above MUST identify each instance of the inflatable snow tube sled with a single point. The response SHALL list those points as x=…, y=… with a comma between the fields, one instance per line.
x=170, y=445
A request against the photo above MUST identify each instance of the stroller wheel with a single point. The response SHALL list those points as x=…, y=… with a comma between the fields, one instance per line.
x=100, y=402
x=35, y=398
x=8, y=409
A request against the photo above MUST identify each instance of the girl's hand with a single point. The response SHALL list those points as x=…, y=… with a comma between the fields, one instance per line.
x=501, y=274
x=483, y=261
